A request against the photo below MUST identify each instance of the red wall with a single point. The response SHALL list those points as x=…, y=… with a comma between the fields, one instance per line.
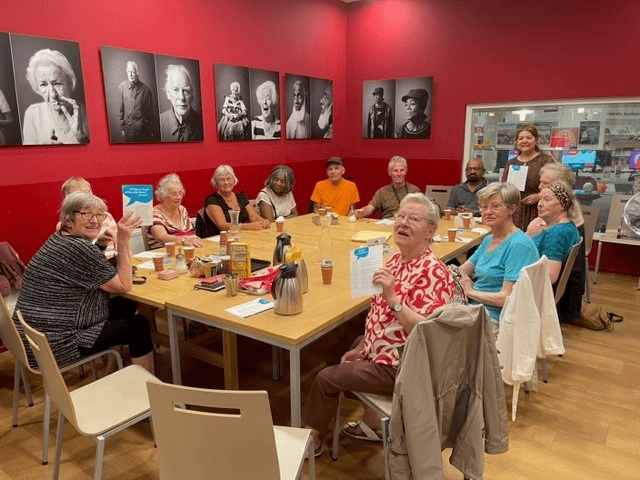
x=476, y=50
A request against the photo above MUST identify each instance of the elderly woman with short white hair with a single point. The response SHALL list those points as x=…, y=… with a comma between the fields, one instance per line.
x=497, y=262
x=266, y=125
x=218, y=205
x=171, y=221
x=414, y=283
x=59, y=118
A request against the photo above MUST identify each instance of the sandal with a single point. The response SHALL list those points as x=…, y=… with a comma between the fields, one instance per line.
x=366, y=432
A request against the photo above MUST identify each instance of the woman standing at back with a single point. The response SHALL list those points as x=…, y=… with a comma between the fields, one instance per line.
x=531, y=158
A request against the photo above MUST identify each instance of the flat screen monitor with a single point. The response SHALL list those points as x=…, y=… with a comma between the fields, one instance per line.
x=578, y=159
x=633, y=159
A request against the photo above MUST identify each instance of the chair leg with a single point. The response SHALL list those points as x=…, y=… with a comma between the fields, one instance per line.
x=16, y=392
x=545, y=372
x=59, y=433
x=100, y=441
x=46, y=418
x=27, y=386
x=336, y=431
x=587, y=287
x=385, y=443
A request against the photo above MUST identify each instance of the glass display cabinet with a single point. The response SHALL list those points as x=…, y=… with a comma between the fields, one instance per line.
x=599, y=139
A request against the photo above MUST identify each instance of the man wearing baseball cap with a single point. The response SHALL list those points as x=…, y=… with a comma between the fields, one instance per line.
x=335, y=191
x=416, y=126
x=380, y=118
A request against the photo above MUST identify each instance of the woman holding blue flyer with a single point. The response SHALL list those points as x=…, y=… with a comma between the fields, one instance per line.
x=67, y=287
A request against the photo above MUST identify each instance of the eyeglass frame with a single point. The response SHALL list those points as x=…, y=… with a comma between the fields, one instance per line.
x=411, y=219
x=97, y=215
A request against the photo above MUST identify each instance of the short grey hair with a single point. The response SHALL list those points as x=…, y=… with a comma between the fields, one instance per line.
x=271, y=86
x=223, y=170
x=162, y=189
x=432, y=211
x=132, y=64
x=47, y=56
x=397, y=159
x=172, y=69
x=73, y=184
x=234, y=84
x=557, y=171
x=509, y=194
x=75, y=202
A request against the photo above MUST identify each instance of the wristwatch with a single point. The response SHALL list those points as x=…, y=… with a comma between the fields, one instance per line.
x=396, y=307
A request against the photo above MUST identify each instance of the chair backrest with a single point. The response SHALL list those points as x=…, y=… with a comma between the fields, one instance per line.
x=439, y=193
x=566, y=270
x=221, y=433
x=11, y=337
x=138, y=241
x=615, y=212
x=590, y=215
x=52, y=378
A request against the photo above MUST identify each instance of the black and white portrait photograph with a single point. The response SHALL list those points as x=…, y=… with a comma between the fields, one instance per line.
x=378, y=108
x=9, y=119
x=179, y=100
x=131, y=94
x=265, y=118
x=321, y=101
x=298, y=108
x=50, y=90
x=413, y=101
x=233, y=93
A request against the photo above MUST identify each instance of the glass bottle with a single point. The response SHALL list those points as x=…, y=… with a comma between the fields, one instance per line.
x=234, y=228
x=325, y=244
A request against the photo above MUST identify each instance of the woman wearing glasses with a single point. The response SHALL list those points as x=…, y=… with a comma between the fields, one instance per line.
x=171, y=221
x=67, y=285
x=497, y=262
x=414, y=283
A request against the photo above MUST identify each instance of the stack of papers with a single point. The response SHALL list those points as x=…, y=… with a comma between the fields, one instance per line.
x=253, y=307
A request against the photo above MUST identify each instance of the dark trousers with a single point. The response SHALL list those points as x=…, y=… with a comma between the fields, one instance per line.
x=359, y=375
x=124, y=327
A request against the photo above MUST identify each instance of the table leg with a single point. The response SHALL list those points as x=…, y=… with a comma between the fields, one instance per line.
x=174, y=346
x=230, y=359
x=595, y=277
x=294, y=373
x=277, y=361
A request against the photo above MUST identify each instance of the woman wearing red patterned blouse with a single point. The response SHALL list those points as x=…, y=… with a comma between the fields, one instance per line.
x=414, y=283
x=171, y=221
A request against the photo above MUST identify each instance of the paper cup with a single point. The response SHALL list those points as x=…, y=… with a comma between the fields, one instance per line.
x=322, y=212
x=327, y=273
x=466, y=221
x=447, y=214
x=360, y=214
x=189, y=253
x=452, y=232
x=280, y=226
x=171, y=248
x=158, y=263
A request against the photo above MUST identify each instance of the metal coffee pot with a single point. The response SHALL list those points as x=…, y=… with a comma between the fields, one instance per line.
x=283, y=242
x=286, y=290
x=303, y=276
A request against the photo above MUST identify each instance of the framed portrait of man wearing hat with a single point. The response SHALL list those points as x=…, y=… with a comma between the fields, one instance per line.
x=378, y=108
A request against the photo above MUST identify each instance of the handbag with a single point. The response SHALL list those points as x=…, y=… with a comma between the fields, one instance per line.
x=595, y=317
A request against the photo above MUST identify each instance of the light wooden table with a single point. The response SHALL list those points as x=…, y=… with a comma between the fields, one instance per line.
x=325, y=306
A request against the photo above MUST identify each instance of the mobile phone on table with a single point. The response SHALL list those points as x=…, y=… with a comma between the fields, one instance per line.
x=212, y=287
